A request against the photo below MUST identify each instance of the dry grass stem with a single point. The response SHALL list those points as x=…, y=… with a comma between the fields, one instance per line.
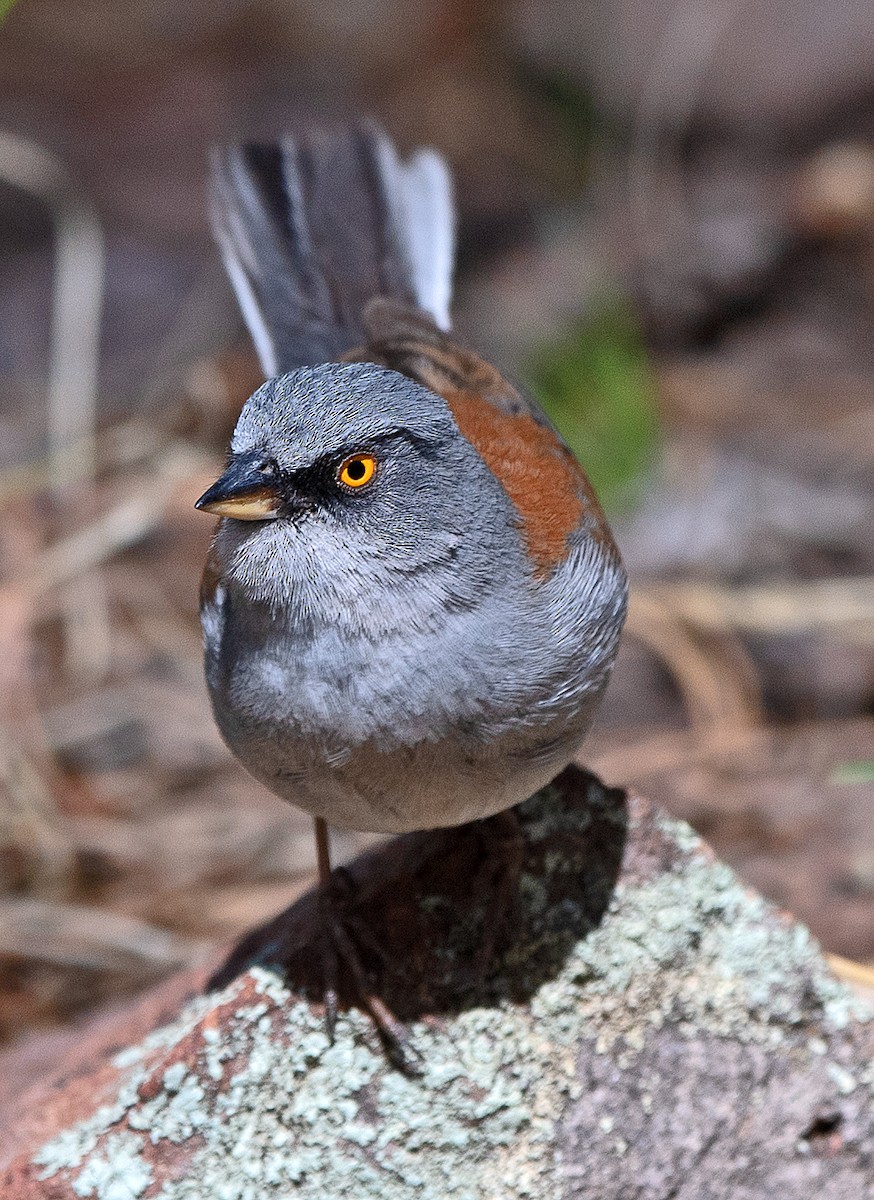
x=716, y=679
x=665, y=752
x=90, y=938
x=35, y=837
x=838, y=606
x=859, y=976
x=127, y=523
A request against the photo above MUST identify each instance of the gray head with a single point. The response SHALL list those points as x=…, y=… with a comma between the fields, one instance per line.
x=350, y=486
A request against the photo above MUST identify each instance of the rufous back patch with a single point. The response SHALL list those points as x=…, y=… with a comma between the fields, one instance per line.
x=538, y=474
x=543, y=480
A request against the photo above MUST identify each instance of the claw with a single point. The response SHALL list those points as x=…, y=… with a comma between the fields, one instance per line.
x=335, y=896
x=392, y=1032
x=330, y=965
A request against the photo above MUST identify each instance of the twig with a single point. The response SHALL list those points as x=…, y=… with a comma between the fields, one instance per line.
x=686, y=45
x=717, y=680
x=120, y=446
x=122, y=526
x=92, y=938
x=665, y=752
x=75, y=356
x=844, y=606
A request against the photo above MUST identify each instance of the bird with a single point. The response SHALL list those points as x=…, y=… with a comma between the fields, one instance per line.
x=412, y=601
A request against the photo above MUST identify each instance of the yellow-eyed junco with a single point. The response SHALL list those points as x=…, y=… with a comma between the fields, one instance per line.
x=412, y=602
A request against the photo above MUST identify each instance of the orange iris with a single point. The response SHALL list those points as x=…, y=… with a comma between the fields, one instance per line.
x=357, y=470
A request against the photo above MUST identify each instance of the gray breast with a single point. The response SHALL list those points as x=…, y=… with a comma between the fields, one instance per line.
x=436, y=723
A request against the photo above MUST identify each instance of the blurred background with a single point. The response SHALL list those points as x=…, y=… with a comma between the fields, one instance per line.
x=666, y=232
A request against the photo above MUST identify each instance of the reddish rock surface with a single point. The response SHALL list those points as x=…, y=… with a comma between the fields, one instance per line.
x=650, y=1029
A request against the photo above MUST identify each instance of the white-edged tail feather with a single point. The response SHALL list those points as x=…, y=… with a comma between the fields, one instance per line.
x=421, y=193
x=313, y=228
x=248, y=302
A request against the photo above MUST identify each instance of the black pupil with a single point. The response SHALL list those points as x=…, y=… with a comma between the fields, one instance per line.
x=356, y=469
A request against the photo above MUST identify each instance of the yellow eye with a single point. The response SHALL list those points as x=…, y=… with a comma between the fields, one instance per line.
x=357, y=471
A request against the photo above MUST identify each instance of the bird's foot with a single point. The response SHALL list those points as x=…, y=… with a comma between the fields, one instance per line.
x=341, y=935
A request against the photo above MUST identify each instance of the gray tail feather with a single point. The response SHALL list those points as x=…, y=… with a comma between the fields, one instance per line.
x=313, y=227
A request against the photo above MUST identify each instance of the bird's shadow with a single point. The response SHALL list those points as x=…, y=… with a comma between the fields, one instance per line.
x=420, y=903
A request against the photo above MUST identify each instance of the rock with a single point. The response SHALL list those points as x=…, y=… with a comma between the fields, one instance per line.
x=789, y=808
x=651, y=1028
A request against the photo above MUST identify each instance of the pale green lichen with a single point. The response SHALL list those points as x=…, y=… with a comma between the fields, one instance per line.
x=117, y=1172
x=693, y=947
x=844, y=1081
x=682, y=835
x=166, y=1035
x=72, y=1146
x=176, y=1112
x=295, y=1115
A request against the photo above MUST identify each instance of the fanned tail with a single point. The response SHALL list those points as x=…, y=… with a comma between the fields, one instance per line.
x=314, y=227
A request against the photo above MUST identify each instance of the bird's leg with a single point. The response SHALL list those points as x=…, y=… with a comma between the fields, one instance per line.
x=338, y=946
x=327, y=942
x=504, y=853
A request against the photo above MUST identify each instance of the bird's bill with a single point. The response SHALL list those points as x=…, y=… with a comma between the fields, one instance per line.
x=242, y=493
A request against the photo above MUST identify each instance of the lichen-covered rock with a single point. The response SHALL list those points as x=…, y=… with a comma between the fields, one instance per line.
x=651, y=1029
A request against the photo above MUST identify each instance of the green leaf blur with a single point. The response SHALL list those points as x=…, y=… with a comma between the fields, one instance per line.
x=854, y=772
x=596, y=385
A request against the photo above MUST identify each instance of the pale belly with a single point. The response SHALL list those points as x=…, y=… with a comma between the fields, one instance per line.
x=425, y=786
x=420, y=729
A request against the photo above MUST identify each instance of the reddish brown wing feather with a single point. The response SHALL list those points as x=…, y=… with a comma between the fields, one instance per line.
x=545, y=483
x=535, y=471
